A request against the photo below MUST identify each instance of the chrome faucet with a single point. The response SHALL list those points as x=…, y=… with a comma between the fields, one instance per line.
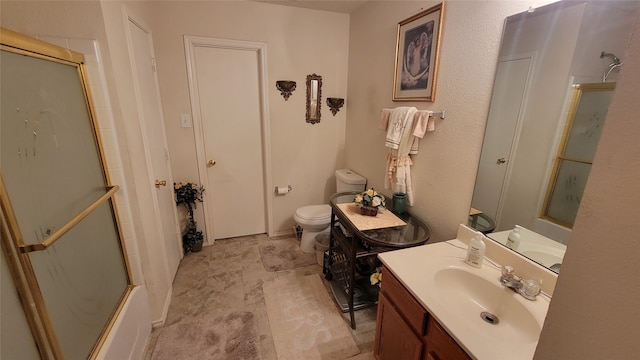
x=529, y=288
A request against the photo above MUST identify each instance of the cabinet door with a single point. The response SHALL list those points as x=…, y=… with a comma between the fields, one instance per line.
x=394, y=338
x=441, y=346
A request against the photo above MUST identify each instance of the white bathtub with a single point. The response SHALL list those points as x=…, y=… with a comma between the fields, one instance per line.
x=130, y=334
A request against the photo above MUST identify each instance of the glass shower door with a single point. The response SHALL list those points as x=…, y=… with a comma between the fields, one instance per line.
x=56, y=199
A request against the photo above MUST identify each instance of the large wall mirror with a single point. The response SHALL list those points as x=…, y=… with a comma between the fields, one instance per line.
x=545, y=55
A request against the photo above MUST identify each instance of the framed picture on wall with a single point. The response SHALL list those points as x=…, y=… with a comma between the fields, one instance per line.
x=417, y=53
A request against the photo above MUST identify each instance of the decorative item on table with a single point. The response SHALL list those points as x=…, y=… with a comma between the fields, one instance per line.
x=188, y=195
x=399, y=202
x=370, y=202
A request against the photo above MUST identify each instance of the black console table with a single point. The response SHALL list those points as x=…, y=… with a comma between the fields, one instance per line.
x=348, y=244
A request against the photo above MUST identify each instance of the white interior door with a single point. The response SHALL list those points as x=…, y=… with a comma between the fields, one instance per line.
x=160, y=178
x=227, y=86
x=503, y=121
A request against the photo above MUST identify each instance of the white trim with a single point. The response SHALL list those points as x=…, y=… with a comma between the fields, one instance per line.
x=281, y=233
x=190, y=43
x=161, y=124
x=156, y=272
x=165, y=310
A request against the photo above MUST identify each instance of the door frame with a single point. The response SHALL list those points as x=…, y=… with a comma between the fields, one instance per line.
x=158, y=277
x=190, y=43
x=161, y=123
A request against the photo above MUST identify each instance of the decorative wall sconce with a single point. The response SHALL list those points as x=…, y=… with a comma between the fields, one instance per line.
x=286, y=87
x=335, y=104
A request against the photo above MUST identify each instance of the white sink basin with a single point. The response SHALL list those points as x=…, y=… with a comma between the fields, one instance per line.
x=473, y=295
x=455, y=294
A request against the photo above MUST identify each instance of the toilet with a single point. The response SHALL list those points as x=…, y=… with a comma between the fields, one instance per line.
x=315, y=219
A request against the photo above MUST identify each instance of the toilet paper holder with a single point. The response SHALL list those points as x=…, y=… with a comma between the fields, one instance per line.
x=281, y=190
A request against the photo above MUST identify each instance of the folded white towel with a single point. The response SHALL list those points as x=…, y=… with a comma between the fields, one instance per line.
x=423, y=123
x=399, y=126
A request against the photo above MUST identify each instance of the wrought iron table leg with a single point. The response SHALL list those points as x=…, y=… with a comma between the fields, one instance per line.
x=351, y=289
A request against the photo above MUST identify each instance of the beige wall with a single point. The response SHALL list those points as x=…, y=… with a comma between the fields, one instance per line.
x=299, y=42
x=594, y=313
x=444, y=170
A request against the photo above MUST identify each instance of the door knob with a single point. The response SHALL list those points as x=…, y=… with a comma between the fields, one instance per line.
x=211, y=163
x=502, y=160
x=161, y=183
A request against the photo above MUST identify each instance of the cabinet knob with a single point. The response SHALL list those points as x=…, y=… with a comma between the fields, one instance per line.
x=211, y=163
x=160, y=183
x=502, y=160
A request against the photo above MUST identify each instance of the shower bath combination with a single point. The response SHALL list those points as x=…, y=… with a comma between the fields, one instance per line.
x=615, y=62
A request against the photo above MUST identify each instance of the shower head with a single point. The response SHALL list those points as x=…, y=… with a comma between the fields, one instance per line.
x=615, y=59
x=615, y=62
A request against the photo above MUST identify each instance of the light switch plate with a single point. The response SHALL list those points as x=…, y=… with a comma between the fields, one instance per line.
x=185, y=120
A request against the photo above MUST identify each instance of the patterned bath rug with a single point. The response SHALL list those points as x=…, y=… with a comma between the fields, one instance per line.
x=284, y=254
x=224, y=336
x=305, y=323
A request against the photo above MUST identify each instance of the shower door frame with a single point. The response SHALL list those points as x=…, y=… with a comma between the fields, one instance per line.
x=13, y=247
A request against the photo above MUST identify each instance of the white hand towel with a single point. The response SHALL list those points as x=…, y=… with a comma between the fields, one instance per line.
x=400, y=126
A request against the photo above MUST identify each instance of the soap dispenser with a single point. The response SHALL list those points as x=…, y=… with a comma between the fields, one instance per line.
x=513, y=240
x=475, y=251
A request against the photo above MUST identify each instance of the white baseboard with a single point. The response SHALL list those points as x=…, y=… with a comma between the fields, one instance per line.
x=165, y=310
x=281, y=233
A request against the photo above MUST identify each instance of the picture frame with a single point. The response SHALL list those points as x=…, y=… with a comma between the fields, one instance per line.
x=417, y=55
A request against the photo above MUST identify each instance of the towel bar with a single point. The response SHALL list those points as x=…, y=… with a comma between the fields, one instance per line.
x=439, y=113
x=26, y=248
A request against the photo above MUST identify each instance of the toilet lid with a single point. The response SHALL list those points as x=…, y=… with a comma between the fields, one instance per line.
x=314, y=212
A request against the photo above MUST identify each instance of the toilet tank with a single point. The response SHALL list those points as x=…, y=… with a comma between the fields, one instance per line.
x=348, y=180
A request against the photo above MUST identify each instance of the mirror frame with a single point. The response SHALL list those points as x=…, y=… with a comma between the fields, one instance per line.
x=588, y=72
x=314, y=97
x=561, y=157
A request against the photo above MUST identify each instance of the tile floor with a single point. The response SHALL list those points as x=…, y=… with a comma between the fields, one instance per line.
x=229, y=275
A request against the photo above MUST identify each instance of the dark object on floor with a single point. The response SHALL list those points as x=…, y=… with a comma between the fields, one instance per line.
x=298, y=232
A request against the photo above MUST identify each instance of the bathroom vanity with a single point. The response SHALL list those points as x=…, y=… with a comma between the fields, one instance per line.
x=351, y=244
x=405, y=330
x=432, y=305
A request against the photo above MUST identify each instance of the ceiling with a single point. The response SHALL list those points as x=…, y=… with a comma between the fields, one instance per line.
x=344, y=6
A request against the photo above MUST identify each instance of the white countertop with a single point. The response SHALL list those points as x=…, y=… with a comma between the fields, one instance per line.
x=415, y=266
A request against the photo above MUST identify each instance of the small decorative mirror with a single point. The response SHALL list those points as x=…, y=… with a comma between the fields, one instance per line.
x=314, y=97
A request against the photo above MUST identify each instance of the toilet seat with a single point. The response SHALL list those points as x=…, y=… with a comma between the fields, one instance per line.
x=314, y=214
x=313, y=219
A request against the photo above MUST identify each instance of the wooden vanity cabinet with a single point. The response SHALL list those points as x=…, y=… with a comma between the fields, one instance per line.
x=405, y=330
